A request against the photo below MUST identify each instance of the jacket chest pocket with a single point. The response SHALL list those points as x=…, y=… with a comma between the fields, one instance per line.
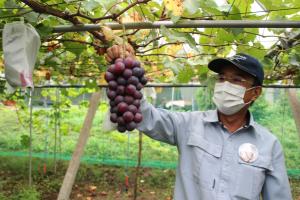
x=206, y=159
x=250, y=178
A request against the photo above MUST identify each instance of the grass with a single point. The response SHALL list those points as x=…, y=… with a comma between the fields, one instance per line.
x=96, y=181
x=107, y=181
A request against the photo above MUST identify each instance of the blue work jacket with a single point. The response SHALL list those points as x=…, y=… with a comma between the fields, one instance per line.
x=212, y=163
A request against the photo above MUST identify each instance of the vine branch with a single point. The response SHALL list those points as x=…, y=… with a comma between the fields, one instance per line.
x=115, y=16
x=42, y=8
x=169, y=55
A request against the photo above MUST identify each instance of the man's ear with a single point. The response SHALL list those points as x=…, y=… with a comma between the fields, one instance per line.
x=257, y=92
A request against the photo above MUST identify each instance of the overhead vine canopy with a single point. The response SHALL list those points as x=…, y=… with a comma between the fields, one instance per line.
x=169, y=55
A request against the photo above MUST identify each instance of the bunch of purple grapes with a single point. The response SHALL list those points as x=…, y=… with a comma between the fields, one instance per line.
x=125, y=78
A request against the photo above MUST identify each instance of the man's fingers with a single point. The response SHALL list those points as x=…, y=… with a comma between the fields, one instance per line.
x=115, y=51
x=108, y=58
x=118, y=51
x=127, y=54
x=129, y=48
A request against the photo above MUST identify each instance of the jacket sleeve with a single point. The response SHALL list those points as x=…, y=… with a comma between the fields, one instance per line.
x=277, y=185
x=160, y=124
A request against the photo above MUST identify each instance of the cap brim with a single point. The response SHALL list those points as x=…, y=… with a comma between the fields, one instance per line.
x=217, y=64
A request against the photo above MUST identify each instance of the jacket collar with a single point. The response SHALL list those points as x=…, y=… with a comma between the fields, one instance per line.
x=212, y=116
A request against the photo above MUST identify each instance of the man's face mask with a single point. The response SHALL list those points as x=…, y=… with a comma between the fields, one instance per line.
x=229, y=98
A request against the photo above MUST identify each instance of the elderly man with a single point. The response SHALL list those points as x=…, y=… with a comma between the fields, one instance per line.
x=223, y=154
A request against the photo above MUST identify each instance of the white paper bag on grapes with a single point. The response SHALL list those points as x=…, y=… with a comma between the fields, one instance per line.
x=21, y=44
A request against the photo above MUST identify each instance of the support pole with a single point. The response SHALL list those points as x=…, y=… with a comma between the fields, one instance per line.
x=70, y=175
x=30, y=136
x=295, y=107
x=181, y=24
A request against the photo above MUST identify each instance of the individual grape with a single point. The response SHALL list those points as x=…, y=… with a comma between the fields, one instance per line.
x=122, y=107
x=112, y=85
x=118, y=99
x=109, y=76
x=121, y=80
x=138, y=72
x=111, y=94
x=143, y=80
x=131, y=126
x=119, y=68
x=129, y=62
x=132, y=108
x=138, y=117
x=137, y=103
x=133, y=80
x=113, y=117
x=139, y=86
x=128, y=99
x=112, y=103
x=128, y=116
x=121, y=121
x=111, y=68
x=120, y=90
x=118, y=60
x=127, y=73
x=114, y=109
x=130, y=89
x=121, y=129
x=136, y=63
x=138, y=95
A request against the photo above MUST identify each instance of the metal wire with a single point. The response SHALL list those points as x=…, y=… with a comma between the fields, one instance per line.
x=163, y=85
x=182, y=24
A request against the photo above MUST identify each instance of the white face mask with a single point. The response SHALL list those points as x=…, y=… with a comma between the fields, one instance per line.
x=229, y=98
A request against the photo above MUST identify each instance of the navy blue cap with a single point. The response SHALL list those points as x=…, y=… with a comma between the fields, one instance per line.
x=242, y=61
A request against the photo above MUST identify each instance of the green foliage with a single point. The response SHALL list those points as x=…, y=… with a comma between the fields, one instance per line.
x=204, y=99
x=177, y=36
x=185, y=74
x=260, y=110
x=29, y=193
x=2, y=197
x=25, y=141
x=77, y=58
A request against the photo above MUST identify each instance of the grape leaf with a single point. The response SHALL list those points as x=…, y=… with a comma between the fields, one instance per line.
x=175, y=36
x=185, y=74
x=74, y=47
x=191, y=6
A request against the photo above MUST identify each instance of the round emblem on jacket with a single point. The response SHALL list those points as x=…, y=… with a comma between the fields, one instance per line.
x=248, y=152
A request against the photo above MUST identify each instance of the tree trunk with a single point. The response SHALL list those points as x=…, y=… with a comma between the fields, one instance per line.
x=70, y=175
x=295, y=105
